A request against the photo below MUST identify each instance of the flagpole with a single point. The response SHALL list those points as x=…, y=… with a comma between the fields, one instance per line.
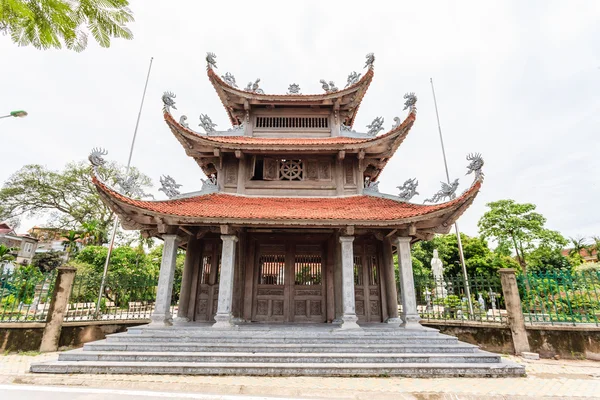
x=116, y=218
x=458, y=239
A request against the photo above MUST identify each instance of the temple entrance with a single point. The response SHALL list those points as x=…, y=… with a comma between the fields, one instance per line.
x=367, y=283
x=207, y=282
x=289, y=282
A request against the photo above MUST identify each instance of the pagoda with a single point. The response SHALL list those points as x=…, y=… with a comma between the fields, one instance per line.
x=289, y=231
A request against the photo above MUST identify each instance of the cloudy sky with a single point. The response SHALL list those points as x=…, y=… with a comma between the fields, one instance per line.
x=517, y=81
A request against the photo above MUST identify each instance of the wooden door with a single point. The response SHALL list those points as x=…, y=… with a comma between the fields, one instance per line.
x=309, y=289
x=271, y=302
x=367, y=287
x=207, y=293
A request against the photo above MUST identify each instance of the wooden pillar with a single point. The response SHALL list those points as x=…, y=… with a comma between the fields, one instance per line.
x=162, y=306
x=191, y=264
x=196, y=276
x=390, y=283
x=249, y=278
x=238, y=278
x=410, y=316
x=337, y=279
x=349, y=317
x=224, y=317
x=57, y=309
x=330, y=297
x=516, y=321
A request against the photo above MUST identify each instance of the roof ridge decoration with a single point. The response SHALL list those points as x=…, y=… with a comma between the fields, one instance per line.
x=408, y=190
x=207, y=124
x=211, y=60
x=328, y=87
x=253, y=87
x=352, y=79
x=294, y=88
x=229, y=79
x=370, y=63
x=168, y=101
x=169, y=187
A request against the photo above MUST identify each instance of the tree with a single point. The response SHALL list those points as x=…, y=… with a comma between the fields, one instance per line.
x=70, y=242
x=46, y=24
x=48, y=261
x=579, y=246
x=68, y=197
x=518, y=227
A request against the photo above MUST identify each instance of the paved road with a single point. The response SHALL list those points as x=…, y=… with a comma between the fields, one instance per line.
x=26, y=392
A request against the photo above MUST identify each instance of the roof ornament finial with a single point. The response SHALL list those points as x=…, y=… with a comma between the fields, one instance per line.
x=130, y=186
x=253, y=87
x=182, y=121
x=375, y=127
x=447, y=191
x=475, y=166
x=370, y=186
x=209, y=185
x=328, y=87
x=168, y=101
x=408, y=190
x=353, y=78
x=169, y=186
x=211, y=60
x=397, y=122
x=346, y=128
x=229, y=79
x=411, y=101
x=294, y=88
x=96, y=158
x=370, y=61
x=207, y=124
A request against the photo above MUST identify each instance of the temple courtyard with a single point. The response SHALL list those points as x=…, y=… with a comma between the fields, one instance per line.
x=545, y=379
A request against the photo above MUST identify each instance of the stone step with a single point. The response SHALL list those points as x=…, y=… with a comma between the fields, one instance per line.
x=287, y=358
x=276, y=339
x=104, y=345
x=423, y=370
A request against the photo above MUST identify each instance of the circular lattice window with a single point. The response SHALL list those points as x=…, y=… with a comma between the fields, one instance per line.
x=290, y=170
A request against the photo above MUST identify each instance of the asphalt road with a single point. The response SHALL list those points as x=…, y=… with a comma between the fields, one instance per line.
x=25, y=392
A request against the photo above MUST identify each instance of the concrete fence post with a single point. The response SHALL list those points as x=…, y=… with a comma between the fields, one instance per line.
x=58, y=308
x=516, y=321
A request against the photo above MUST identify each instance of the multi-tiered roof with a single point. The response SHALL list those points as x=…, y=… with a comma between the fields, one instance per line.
x=368, y=208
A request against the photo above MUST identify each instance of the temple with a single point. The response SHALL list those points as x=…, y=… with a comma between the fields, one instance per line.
x=289, y=229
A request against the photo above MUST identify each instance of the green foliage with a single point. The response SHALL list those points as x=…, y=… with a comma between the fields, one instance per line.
x=519, y=227
x=68, y=196
x=48, y=24
x=6, y=254
x=19, y=287
x=47, y=261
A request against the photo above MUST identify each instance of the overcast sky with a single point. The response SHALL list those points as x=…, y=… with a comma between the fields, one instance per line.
x=517, y=81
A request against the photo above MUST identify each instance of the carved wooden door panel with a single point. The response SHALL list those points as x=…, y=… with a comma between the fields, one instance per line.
x=207, y=296
x=366, y=283
x=272, y=300
x=308, y=289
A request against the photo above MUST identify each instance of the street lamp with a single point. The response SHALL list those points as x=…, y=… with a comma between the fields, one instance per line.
x=18, y=113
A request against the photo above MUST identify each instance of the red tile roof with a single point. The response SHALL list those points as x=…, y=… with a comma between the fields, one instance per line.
x=230, y=206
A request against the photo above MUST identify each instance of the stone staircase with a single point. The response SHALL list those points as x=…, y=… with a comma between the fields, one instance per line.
x=281, y=350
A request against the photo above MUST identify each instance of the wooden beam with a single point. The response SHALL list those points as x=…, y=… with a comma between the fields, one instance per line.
x=392, y=232
x=412, y=229
x=217, y=152
x=341, y=155
x=239, y=154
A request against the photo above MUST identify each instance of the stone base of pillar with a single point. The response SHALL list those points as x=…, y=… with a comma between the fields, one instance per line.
x=412, y=322
x=393, y=321
x=181, y=319
x=161, y=319
x=223, y=322
x=349, y=323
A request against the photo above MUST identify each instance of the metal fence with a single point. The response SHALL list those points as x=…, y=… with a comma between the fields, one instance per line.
x=130, y=298
x=446, y=300
x=560, y=298
x=25, y=295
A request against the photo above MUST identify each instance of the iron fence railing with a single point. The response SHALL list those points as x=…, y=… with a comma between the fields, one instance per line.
x=560, y=297
x=123, y=298
x=25, y=295
x=445, y=299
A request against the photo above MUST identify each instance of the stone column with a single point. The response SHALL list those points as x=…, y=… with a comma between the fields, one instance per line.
x=57, y=309
x=191, y=262
x=390, y=283
x=516, y=321
x=162, y=306
x=224, y=317
x=349, y=317
x=410, y=316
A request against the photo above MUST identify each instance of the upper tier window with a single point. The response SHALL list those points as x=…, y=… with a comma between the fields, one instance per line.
x=292, y=123
x=290, y=169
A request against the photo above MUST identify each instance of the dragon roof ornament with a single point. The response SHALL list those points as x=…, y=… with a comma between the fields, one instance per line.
x=209, y=185
x=411, y=101
x=168, y=102
x=408, y=190
x=353, y=78
x=475, y=166
x=229, y=79
x=169, y=186
x=207, y=124
x=182, y=121
x=328, y=87
x=375, y=127
x=96, y=158
x=294, y=88
x=448, y=191
x=371, y=187
x=211, y=60
x=253, y=87
x=130, y=187
x=370, y=60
